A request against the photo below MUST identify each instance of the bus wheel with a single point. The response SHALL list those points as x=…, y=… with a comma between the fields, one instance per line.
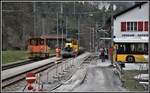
x=130, y=59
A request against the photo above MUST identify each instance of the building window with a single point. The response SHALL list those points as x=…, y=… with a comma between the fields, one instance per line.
x=146, y=26
x=140, y=26
x=135, y=26
x=128, y=26
x=123, y=26
x=132, y=26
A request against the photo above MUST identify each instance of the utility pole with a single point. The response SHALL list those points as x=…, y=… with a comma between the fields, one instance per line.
x=93, y=39
x=79, y=30
x=43, y=25
x=43, y=19
x=66, y=26
x=74, y=8
x=57, y=31
x=90, y=40
x=34, y=10
x=112, y=33
x=103, y=18
x=61, y=8
x=96, y=38
x=62, y=34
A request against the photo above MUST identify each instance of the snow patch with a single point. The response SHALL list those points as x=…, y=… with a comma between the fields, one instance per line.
x=75, y=80
x=142, y=76
x=135, y=66
x=103, y=64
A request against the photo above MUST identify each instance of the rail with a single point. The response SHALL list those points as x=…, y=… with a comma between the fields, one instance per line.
x=21, y=76
x=20, y=63
x=18, y=77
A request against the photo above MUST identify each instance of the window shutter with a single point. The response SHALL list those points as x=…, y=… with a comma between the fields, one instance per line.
x=123, y=26
x=140, y=26
x=146, y=26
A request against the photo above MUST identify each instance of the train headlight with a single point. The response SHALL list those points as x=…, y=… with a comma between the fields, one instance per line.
x=76, y=50
x=42, y=49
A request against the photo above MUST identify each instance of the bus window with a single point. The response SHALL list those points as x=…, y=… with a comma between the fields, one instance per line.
x=121, y=48
x=146, y=48
x=142, y=48
x=132, y=48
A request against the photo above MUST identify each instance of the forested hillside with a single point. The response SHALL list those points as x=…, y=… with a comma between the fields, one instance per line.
x=22, y=20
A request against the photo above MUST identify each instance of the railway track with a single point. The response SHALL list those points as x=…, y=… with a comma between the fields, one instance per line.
x=13, y=79
x=85, y=61
x=20, y=63
x=82, y=66
x=19, y=77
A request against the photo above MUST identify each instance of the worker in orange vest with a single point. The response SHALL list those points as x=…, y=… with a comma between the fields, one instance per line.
x=58, y=52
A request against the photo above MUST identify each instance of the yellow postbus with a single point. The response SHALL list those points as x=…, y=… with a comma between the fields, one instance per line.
x=130, y=52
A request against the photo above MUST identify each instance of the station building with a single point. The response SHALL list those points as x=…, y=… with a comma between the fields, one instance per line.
x=132, y=23
x=131, y=34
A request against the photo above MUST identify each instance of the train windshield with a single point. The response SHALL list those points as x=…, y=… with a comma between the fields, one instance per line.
x=68, y=41
x=36, y=41
x=69, y=49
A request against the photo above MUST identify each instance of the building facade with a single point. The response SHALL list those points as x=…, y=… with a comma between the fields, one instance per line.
x=132, y=23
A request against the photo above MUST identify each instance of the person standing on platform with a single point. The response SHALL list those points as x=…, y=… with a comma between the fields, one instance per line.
x=102, y=54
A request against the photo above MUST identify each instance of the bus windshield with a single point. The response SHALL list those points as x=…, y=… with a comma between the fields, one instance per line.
x=132, y=48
